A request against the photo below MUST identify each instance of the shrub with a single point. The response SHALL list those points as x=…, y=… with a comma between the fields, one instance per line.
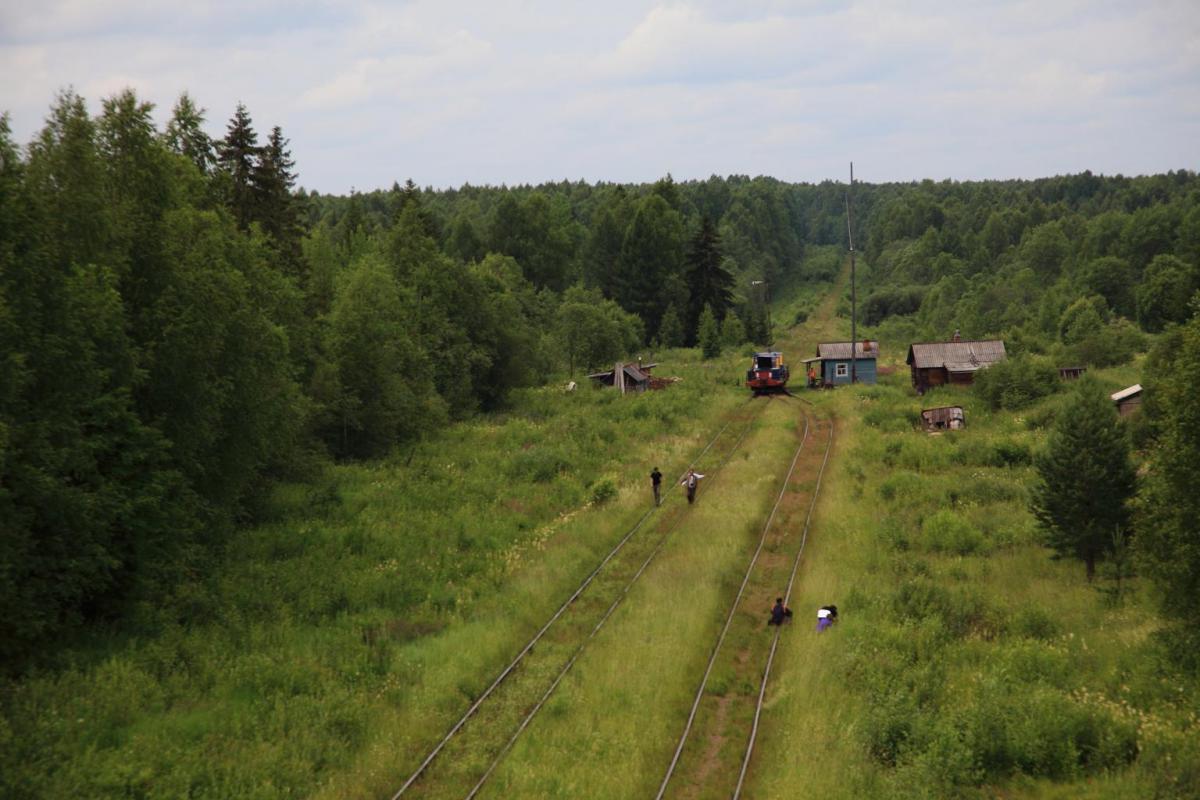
x=1016, y=382
x=1009, y=453
x=603, y=491
x=902, y=486
x=947, y=532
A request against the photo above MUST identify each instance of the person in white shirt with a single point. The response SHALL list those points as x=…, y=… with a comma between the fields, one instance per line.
x=691, y=480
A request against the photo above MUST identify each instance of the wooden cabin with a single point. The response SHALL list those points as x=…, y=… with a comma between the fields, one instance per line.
x=1071, y=373
x=1128, y=400
x=625, y=377
x=951, y=363
x=946, y=418
x=831, y=367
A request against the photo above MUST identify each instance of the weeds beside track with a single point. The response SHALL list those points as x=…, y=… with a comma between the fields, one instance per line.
x=471, y=742
x=705, y=768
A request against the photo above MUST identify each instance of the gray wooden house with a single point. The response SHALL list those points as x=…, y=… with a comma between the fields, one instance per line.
x=951, y=363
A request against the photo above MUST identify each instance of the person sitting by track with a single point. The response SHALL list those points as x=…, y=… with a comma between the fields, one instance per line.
x=780, y=613
x=826, y=616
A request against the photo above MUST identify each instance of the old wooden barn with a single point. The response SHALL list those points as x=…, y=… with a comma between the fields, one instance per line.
x=831, y=367
x=954, y=362
x=1128, y=400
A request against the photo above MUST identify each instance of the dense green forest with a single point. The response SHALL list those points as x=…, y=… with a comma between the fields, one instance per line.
x=180, y=325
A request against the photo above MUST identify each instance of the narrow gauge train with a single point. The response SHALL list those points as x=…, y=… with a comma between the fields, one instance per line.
x=767, y=373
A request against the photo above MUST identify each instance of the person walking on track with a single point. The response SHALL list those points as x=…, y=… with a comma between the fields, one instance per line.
x=691, y=480
x=656, y=479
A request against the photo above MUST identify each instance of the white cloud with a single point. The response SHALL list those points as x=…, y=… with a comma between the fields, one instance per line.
x=449, y=91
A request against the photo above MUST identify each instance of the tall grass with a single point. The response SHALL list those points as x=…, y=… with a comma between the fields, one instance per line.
x=966, y=659
x=340, y=639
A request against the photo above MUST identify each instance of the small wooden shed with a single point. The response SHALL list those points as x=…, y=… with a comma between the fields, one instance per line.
x=625, y=377
x=954, y=362
x=1070, y=373
x=946, y=418
x=1128, y=400
x=831, y=367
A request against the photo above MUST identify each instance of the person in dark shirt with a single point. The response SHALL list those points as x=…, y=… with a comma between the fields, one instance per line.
x=656, y=479
x=779, y=613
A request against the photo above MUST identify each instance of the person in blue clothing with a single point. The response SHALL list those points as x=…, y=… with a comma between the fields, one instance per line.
x=780, y=613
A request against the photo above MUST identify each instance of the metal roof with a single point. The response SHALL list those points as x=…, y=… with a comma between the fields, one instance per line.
x=1126, y=393
x=836, y=350
x=956, y=356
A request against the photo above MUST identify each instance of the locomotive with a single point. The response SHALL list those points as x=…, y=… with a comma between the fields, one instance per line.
x=767, y=373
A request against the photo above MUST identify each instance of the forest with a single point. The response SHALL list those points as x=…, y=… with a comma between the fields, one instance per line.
x=186, y=335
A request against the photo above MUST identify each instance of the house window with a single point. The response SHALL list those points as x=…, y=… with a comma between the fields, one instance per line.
x=842, y=370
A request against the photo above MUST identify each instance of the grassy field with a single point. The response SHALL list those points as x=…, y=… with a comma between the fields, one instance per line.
x=343, y=637
x=340, y=639
x=967, y=661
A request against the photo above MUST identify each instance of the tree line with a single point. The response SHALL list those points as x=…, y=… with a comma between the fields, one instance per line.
x=180, y=326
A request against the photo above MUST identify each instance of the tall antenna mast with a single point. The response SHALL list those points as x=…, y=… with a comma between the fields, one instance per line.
x=853, y=296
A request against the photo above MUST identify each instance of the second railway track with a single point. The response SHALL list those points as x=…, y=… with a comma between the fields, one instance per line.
x=716, y=745
x=472, y=747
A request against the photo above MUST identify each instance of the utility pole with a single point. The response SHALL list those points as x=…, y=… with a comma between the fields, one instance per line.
x=767, y=305
x=853, y=296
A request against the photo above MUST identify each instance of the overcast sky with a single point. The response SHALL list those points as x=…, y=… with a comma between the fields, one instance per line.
x=449, y=92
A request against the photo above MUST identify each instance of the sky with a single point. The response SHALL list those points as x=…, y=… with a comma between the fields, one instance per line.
x=503, y=92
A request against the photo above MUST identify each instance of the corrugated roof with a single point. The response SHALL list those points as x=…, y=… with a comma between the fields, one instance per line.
x=943, y=354
x=636, y=373
x=1124, y=393
x=842, y=350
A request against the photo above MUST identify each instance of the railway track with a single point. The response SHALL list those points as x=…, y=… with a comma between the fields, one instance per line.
x=468, y=748
x=706, y=760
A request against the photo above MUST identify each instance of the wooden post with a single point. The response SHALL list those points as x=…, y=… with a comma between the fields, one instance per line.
x=619, y=377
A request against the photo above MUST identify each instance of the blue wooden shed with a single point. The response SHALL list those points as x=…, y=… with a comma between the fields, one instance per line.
x=832, y=364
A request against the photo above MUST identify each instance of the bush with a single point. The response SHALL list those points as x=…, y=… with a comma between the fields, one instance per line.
x=947, y=532
x=603, y=491
x=1016, y=382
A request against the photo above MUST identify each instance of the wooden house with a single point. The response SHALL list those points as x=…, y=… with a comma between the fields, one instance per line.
x=1128, y=400
x=951, y=363
x=946, y=418
x=831, y=367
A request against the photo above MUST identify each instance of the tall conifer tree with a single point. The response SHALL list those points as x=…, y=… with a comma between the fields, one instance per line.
x=1086, y=478
x=709, y=283
x=238, y=155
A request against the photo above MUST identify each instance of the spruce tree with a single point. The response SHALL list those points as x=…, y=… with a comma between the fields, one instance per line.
x=1085, y=478
x=238, y=156
x=1168, y=510
x=670, y=331
x=733, y=332
x=275, y=207
x=710, y=334
x=709, y=283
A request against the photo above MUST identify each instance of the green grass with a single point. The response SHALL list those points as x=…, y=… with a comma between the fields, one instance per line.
x=967, y=661
x=627, y=698
x=336, y=643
